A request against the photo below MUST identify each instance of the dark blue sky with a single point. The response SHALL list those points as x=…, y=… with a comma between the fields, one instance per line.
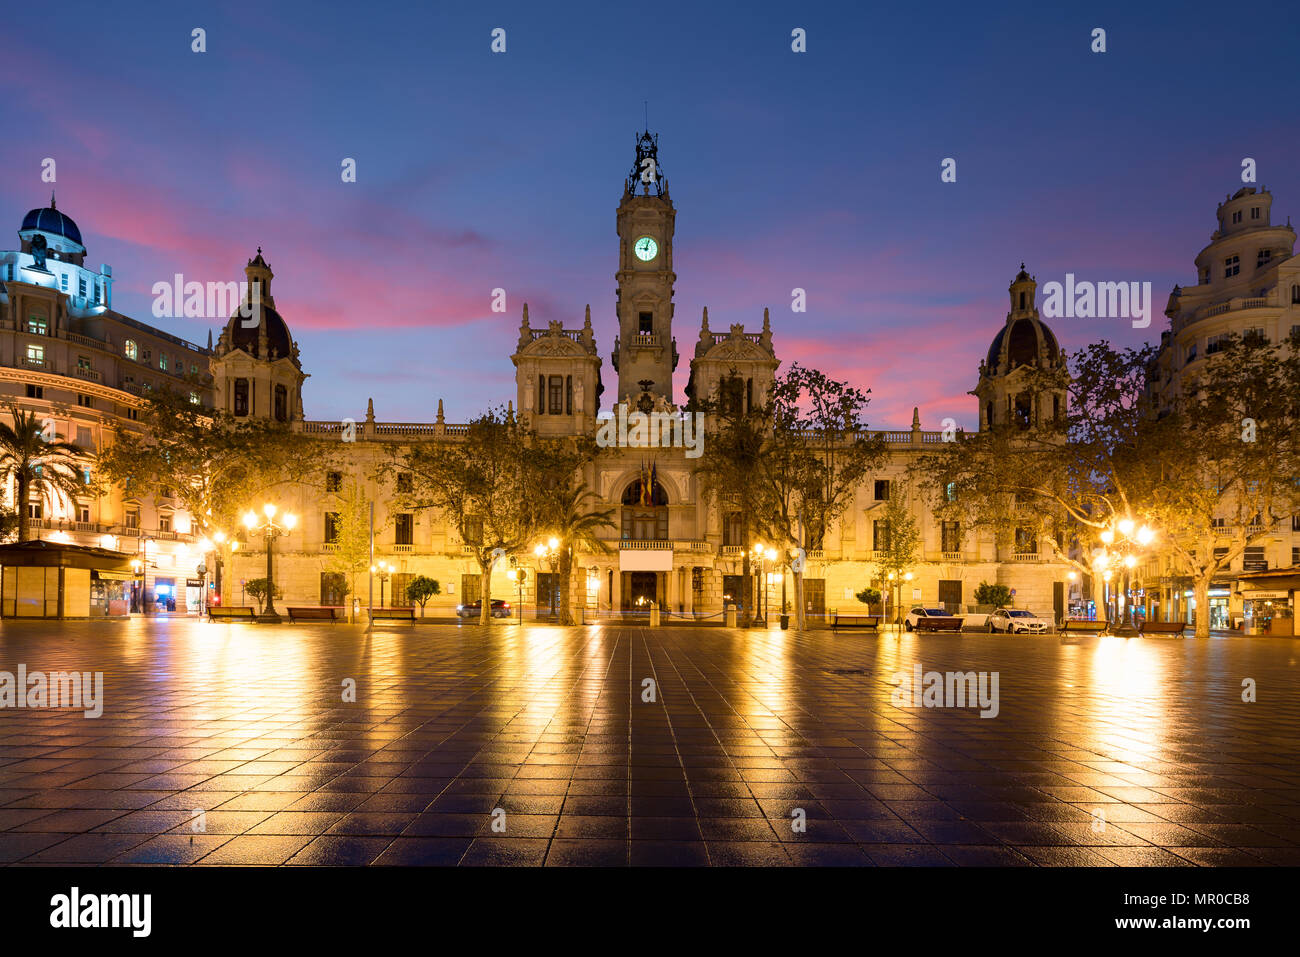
x=479, y=170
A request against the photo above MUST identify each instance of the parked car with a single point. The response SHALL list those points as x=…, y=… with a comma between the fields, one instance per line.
x=1018, y=621
x=500, y=609
x=909, y=620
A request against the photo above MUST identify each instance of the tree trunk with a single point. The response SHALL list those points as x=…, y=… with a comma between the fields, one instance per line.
x=485, y=593
x=746, y=578
x=1099, y=596
x=24, y=524
x=566, y=574
x=1201, y=590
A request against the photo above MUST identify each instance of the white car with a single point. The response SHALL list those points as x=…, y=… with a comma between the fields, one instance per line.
x=1018, y=621
x=910, y=619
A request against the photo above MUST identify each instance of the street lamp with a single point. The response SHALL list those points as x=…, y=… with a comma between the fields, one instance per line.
x=759, y=553
x=1122, y=542
x=272, y=530
x=383, y=570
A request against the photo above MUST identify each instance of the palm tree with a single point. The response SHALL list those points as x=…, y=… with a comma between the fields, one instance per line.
x=574, y=523
x=43, y=469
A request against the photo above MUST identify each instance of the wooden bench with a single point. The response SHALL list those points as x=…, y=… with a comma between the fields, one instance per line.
x=1162, y=628
x=230, y=611
x=869, y=622
x=1098, y=627
x=320, y=613
x=393, y=614
x=938, y=624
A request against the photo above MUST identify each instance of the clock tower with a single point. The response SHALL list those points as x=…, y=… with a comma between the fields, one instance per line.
x=645, y=353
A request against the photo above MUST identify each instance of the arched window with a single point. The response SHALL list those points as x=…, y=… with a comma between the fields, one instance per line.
x=129, y=349
x=1295, y=294
x=988, y=411
x=1022, y=300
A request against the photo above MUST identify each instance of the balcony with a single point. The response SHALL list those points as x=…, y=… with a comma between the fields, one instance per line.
x=649, y=545
x=90, y=374
x=1027, y=557
x=407, y=549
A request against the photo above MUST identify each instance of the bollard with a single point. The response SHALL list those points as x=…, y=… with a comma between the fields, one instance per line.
x=731, y=616
x=654, y=616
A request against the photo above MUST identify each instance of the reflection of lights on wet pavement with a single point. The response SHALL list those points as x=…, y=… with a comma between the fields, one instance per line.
x=251, y=724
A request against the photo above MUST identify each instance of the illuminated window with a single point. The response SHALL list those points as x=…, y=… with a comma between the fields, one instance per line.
x=130, y=350
x=194, y=398
x=37, y=326
x=162, y=362
x=36, y=355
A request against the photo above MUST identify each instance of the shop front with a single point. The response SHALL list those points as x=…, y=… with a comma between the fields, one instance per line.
x=41, y=579
x=1269, y=602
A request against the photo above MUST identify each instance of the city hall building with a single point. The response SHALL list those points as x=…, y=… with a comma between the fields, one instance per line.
x=66, y=354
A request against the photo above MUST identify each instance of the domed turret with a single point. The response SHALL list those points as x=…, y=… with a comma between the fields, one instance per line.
x=255, y=367
x=61, y=235
x=1023, y=344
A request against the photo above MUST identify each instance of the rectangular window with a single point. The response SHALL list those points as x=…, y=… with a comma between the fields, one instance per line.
x=1295, y=555
x=646, y=323
x=164, y=523
x=733, y=530
x=333, y=481
x=404, y=482
x=404, y=527
x=951, y=535
x=81, y=287
x=194, y=399
x=84, y=364
x=473, y=529
x=1216, y=343
x=568, y=395
x=241, y=397
x=35, y=391
x=37, y=326
x=83, y=514
x=35, y=510
x=1236, y=217
x=541, y=395
x=333, y=588
x=882, y=490
x=63, y=282
x=556, y=389
x=1265, y=256
x=1254, y=212
x=130, y=349
x=35, y=355
x=880, y=535
x=162, y=361
x=1231, y=265
x=83, y=437
x=85, y=476
x=331, y=528
x=85, y=401
x=1026, y=541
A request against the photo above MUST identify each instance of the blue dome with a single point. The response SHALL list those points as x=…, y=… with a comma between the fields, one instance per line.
x=50, y=220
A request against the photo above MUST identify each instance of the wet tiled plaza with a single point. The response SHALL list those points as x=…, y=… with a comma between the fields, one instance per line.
x=538, y=746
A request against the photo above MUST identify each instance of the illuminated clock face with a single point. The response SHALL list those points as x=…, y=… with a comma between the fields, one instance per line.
x=646, y=249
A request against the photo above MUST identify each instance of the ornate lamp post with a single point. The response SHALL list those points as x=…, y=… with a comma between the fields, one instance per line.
x=1122, y=542
x=384, y=570
x=272, y=530
x=549, y=553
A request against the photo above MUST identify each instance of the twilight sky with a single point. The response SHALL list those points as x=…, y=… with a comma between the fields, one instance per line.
x=478, y=170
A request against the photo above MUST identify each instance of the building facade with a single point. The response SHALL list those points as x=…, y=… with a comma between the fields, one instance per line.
x=68, y=355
